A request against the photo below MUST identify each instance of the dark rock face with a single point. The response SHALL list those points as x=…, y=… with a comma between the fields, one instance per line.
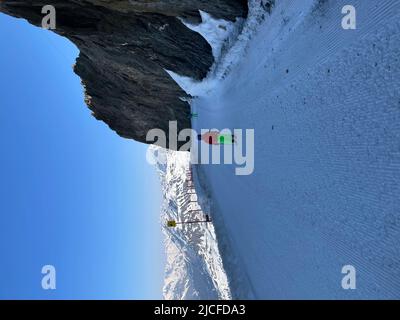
x=125, y=47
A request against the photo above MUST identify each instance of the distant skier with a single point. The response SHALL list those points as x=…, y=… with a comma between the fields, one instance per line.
x=216, y=138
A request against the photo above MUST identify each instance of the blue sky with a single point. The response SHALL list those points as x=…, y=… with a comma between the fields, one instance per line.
x=73, y=194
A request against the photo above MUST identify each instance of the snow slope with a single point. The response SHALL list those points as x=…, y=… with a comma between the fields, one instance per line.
x=325, y=106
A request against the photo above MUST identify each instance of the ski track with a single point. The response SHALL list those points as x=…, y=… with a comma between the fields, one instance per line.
x=325, y=192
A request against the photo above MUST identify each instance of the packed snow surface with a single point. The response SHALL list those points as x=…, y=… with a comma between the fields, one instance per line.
x=325, y=193
x=325, y=106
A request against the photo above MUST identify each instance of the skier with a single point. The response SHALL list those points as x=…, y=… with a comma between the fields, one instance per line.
x=216, y=138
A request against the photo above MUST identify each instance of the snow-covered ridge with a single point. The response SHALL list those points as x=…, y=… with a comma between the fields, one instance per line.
x=228, y=41
x=194, y=267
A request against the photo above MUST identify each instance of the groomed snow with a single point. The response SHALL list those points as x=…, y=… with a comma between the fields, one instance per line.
x=324, y=103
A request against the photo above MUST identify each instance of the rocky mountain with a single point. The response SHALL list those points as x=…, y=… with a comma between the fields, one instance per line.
x=125, y=48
